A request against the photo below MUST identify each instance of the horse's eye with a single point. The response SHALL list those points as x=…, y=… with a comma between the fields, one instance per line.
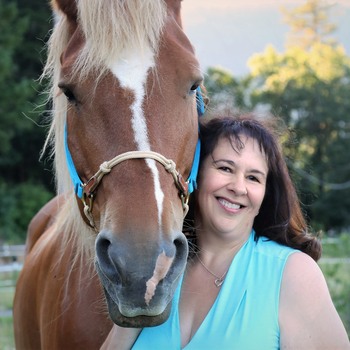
x=69, y=94
x=194, y=87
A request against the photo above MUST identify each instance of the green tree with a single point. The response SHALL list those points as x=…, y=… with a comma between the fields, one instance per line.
x=21, y=113
x=30, y=56
x=21, y=104
x=310, y=90
x=309, y=24
x=226, y=92
x=13, y=93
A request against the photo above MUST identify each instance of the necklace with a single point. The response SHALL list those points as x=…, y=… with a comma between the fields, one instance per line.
x=218, y=280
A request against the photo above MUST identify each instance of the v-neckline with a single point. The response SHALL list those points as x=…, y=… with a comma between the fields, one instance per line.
x=204, y=320
x=216, y=301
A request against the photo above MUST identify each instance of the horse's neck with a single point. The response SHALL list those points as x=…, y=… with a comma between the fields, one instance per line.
x=42, y=221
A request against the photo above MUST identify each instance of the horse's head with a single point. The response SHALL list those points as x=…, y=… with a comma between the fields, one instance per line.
x=124, y=80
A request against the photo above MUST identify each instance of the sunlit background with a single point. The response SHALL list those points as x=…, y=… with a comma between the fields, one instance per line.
x=227, y=32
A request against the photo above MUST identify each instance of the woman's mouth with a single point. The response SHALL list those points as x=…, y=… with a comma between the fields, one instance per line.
x=229, y=205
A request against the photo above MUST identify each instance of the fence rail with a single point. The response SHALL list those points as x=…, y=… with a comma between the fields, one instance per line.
x=14, y=252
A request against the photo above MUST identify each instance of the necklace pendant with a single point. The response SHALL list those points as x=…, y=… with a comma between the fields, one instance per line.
x=218, y=282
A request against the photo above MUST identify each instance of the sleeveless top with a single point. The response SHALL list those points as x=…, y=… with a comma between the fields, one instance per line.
x=244, y=315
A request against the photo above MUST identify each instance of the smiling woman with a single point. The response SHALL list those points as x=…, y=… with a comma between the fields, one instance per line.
x=253, y=269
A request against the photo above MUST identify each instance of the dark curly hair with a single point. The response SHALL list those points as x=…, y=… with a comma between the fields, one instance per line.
x=280, y=217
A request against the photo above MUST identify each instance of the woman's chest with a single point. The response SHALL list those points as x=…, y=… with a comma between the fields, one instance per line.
x=198, y=294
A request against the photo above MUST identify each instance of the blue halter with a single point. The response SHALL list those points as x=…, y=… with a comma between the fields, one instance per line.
x=78, y=184
x=192, y=178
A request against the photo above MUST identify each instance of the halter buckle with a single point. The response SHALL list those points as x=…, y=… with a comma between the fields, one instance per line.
x=182, y=185
x=184, y=201
x=88, y=202
x=90, y=186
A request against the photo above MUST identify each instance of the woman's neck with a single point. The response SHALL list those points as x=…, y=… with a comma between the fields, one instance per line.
x=219, y=250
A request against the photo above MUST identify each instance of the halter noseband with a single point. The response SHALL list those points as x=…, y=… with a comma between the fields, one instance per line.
x=85, y=191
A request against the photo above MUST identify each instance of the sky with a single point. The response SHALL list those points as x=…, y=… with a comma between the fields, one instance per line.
x=226, y=33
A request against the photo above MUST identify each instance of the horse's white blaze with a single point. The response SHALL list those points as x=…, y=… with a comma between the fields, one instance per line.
x=131, y=72
x=162, y=267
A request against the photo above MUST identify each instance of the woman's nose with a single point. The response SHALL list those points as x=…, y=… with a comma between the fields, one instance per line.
x=238, y=185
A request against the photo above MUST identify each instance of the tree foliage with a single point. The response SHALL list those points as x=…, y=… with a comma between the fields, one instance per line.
x=21, y=113
x=310, y=90
x=309, y=24
x=229, y=92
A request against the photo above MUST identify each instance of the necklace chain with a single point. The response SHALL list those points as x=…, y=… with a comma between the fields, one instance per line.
x=218, y=280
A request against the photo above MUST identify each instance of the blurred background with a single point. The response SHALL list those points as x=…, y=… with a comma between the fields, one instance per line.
x=289, y=58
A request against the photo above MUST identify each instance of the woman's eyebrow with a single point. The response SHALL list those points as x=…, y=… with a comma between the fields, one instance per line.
x=257, y=171
x=231, y=162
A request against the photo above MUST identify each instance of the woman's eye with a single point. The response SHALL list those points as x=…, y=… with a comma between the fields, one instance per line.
x=225, y=169
x=253, y=178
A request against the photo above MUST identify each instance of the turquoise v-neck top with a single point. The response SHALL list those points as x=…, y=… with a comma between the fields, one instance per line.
x=244, y=315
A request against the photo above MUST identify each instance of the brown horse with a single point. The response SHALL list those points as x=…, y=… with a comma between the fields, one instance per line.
x=124, y=80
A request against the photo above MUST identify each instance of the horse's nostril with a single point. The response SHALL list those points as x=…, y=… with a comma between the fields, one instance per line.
x=105, y=261
x=102, y=245
x=181, y=246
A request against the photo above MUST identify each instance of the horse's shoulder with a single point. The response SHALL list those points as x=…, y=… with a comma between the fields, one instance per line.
x=43, y=219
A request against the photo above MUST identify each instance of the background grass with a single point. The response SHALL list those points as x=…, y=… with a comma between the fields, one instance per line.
x=7, y=290
x=335, y=264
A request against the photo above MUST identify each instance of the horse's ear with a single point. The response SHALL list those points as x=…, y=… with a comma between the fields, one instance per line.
x=174, y=6
x=68, y=7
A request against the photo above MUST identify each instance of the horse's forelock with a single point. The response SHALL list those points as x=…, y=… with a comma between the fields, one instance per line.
x=111, y=28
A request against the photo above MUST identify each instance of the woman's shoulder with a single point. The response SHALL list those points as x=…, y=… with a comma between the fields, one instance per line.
x=303, y=272
x=307, y=314
x=303, y=282
x=266, y=246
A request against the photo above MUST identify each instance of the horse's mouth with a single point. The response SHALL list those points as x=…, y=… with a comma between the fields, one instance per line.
x=138, y=321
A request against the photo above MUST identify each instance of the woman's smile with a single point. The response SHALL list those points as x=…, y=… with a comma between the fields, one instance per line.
x=228, y=205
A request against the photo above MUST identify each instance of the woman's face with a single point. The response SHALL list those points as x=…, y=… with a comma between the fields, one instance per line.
x=231, y=188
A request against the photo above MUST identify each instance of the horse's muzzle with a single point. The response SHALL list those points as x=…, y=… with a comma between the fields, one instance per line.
x=139, y=278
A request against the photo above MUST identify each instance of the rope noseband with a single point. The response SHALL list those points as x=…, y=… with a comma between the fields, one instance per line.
x=85, y=191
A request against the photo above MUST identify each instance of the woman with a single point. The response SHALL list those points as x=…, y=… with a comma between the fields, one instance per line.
x=252, y=281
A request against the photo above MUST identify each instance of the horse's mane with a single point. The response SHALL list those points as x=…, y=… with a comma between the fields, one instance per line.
x=110, y=28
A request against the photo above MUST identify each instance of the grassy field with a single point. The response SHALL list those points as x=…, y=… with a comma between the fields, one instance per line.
x=7, y=289
x=335, y=264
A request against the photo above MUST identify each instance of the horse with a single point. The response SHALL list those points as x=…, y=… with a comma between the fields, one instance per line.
x=109, y=248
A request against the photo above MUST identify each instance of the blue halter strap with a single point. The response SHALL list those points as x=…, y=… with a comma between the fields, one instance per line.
x=192, y=179
x=78, y=184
